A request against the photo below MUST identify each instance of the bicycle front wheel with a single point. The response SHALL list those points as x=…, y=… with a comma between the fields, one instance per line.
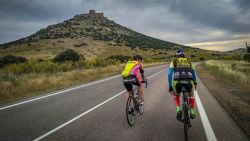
x=130, y=111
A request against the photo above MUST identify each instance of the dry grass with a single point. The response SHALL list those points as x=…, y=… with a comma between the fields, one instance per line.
x=20, y=86
x=234, y=71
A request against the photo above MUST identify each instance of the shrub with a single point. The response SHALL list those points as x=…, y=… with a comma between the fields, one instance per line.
x=67, y=55
x=10, y=59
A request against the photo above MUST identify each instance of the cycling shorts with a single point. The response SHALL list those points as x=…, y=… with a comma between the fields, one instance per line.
x=187, y=84
x=131, y=80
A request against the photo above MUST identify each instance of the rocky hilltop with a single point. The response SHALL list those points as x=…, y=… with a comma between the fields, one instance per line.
x=96, y=26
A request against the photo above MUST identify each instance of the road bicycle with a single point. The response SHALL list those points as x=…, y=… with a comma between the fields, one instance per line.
x=132, y=106
x=185, y=108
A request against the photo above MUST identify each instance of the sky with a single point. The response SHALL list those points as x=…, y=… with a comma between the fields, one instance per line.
x=208, y=24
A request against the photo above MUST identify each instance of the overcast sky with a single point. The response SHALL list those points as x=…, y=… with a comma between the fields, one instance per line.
x=208, y=24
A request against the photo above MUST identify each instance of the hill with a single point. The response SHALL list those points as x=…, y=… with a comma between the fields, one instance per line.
x=93, y=35
x=90, y=34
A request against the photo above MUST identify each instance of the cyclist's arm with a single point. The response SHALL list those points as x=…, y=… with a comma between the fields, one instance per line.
x=193, y=74
x=142, y=72
x=170, y=73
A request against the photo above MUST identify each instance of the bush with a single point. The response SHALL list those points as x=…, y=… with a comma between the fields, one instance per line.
x=10, y=59
x=67, y=55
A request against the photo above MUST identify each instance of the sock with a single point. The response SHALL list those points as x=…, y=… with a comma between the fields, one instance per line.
x=191, y=103
x=177, y=103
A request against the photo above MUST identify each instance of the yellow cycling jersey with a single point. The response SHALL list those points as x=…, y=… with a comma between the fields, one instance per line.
x=131, y=68
x=180, y=62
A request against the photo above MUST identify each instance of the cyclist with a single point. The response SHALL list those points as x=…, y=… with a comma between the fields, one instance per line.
x=131, y=72
x=183, y=71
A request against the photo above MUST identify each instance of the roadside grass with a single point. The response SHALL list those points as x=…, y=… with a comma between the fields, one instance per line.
x=237, y=72
x=228, y=82
x=18, y=81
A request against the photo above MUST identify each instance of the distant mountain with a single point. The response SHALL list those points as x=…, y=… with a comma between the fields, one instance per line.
x=97, y=27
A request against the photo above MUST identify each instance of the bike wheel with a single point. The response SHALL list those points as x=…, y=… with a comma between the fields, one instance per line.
x=186, y=124
x=130, y=111
x=141, y=107
x=186, y=131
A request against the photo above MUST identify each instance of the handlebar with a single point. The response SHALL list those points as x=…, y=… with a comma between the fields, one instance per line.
x=146, y=82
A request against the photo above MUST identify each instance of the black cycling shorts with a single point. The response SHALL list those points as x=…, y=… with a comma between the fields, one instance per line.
x=129, y=81
x=187, y=85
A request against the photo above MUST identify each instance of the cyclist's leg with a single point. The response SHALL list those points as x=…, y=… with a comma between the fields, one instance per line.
x=176, y=91
x=176, y=96
x=139, y=87
x=191, y=100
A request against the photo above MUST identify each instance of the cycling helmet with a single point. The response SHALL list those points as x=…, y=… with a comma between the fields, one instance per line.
x=179, y=53
x=136, y=57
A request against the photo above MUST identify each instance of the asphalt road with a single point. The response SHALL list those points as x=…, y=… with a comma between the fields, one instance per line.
x=96, y=111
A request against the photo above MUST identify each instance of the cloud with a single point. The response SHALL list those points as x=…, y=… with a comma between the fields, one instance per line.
x=180, y=21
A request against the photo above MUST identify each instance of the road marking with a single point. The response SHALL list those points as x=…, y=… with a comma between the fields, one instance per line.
x=81, y=115
x=60, y=92
x=206, y=124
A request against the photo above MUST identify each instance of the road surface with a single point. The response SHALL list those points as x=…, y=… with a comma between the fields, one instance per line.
x=96, y=111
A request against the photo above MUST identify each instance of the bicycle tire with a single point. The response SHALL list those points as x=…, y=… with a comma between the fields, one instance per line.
x=186, y=131
x=130, y=111
x=185, y=121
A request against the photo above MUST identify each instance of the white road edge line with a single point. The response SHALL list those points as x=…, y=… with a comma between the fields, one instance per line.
x=60, y=92
x=206, y=124
x=81, y=115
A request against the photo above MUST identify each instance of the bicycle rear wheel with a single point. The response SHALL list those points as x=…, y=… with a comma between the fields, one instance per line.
x=186, y=124
x=130, y=111
x=186, y=131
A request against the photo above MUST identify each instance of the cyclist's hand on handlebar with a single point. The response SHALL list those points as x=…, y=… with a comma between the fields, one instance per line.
x=170, y=89
x=195, y=83
x=143, y=81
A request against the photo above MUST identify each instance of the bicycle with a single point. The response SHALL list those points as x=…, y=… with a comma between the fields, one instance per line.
x=132, y=106
x=185, y=109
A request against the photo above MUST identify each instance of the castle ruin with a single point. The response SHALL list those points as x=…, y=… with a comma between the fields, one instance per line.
x=91, y=14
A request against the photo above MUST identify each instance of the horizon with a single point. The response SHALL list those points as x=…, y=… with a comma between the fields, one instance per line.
x=215, y=31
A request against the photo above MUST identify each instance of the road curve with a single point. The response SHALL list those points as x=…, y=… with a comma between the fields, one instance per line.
x=107, y=121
